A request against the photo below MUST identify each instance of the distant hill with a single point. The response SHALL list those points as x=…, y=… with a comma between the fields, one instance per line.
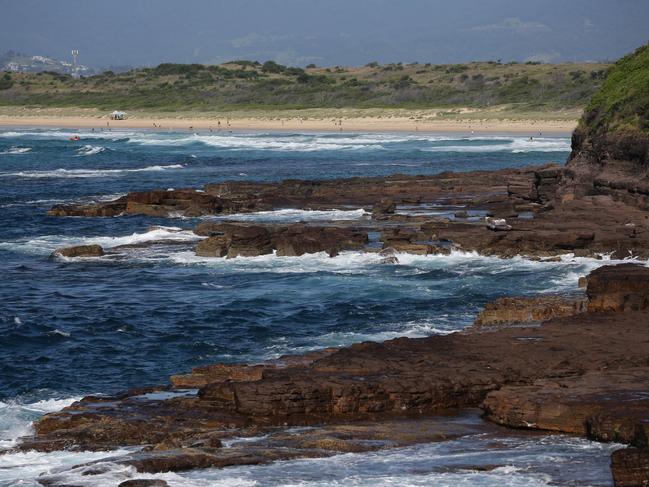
x=247, y=84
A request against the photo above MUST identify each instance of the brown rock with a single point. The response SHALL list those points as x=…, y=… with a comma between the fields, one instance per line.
x=296, y=240
x=187, y=202
x=630, y=467
x=618, y=288
x=101, y=209
x=216, y=246
x=384, y=207
x=396, y=378
x=144, y=483
x=605, y=406
x=80, y=251
x=529, y=309
x=234, y=239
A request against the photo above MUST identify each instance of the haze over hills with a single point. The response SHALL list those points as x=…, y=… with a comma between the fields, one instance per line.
x=300, y=32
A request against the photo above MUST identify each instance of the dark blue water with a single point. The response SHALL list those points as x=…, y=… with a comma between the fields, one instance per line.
x=69, y=328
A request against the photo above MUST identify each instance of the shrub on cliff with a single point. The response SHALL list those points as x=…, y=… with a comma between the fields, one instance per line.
x=622, y=103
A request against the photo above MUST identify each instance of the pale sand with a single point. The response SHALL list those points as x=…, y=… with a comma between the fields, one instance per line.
x=313, y=120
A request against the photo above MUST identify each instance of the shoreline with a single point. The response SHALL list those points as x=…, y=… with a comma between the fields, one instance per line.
x=342, y=125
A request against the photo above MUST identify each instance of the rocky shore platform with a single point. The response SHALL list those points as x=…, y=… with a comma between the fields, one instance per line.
x=575, y=364
x=503, y=213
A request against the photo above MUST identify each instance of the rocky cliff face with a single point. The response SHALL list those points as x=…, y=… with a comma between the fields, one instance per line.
x=610, y=148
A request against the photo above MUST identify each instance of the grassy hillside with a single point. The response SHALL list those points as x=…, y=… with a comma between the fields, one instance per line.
x=623, y=100
x=251, y=85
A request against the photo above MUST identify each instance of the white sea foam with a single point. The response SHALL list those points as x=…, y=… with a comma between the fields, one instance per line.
x=16, y=150
x=90, y=150
x=513, y=145
x=562, y=275
x=16, y=418
x=520, y=461
x=58, y=332
x=65, y=135
x=258, y=142
x=440, y=325
x=46, y=244
x=335, y=142
x=86, y=173
x=295, y=215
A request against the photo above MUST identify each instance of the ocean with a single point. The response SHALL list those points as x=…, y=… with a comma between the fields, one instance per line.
x=74, y=327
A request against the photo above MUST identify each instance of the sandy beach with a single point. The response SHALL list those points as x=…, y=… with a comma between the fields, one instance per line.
x=294, y=120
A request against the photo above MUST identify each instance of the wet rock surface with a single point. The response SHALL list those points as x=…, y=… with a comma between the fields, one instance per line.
x=530, y=309
x=244, y=197
x=246, y=240
x=620, y=288
x=80, y=251
x=630, y=467
x=413, y=214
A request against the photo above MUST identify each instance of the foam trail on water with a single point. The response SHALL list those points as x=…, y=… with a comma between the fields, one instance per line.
x=57, y=134
x=16, y=150
x=86, y=173
x=294, y=215
x=90, y=150
x=46, y=244
x=513, y=145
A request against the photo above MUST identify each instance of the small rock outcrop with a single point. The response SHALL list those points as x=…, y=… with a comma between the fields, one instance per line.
x=507, y=310
x=93, y=250
x=384, y=207
x=144, y=483
x=618, y=288
x=249, y=239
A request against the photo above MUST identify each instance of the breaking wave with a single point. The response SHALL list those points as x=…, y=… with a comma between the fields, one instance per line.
x=46, y=244
x=513, y=145
x=16, y=418
x=90, y=150
x=86, y=173
x=16, y=150
x=295, y=215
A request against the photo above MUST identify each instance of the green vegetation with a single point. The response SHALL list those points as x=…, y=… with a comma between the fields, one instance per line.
x=248, y=85
x=6, y=82
x=622, y=103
